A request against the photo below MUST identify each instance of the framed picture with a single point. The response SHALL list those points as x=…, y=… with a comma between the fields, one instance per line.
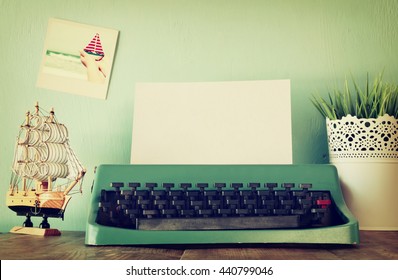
x=77, y=58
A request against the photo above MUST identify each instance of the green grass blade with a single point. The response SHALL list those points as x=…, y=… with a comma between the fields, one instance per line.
x=373, y=100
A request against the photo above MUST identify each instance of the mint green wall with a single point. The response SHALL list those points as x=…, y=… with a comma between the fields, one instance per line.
x=314, y=43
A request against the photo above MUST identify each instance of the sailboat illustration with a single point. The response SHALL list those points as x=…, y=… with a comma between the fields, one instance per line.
x=95, y=47
x=45, y=169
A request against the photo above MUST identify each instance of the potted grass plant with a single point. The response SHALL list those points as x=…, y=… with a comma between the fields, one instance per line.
x=362, y=130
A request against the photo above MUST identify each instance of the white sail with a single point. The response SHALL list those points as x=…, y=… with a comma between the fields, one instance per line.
x=53, y=170
x=42, y=152
x=32, y=155
x=54, y=133
x=28, y=136
x=52, y=152
x=29, y=170
x=37, y=121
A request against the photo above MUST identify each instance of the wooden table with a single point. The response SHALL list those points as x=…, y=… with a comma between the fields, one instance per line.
x=375, y=245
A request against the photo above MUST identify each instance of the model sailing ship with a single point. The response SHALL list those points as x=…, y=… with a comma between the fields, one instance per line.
x=45, y=169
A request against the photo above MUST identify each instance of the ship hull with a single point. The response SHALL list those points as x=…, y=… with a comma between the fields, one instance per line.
x=49, y=212
x=50, y=204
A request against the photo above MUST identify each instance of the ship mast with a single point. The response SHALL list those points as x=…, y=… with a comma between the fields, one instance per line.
x=37, y=108
x=27, y=124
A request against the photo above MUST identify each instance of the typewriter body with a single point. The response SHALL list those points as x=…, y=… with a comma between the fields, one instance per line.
x=214, y=204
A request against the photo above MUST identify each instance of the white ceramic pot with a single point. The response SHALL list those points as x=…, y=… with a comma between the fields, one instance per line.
x=365, y=152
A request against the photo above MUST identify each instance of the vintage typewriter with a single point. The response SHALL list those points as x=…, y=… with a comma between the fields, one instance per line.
x=207, y=204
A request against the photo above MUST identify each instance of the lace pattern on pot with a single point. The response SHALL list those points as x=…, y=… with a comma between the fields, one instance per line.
x=353, y=138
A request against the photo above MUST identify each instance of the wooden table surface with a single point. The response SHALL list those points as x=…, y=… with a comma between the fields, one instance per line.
x=375, y=245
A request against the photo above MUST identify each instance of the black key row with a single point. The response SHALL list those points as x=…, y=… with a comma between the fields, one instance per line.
x=202, y=186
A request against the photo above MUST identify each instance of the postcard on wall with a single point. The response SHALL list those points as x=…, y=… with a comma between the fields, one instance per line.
x=77, y=58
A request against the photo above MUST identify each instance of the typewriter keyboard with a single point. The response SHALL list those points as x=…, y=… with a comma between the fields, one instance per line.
x=214, y=206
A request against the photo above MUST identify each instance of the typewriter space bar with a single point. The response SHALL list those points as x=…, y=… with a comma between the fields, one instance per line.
x=221, y=223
